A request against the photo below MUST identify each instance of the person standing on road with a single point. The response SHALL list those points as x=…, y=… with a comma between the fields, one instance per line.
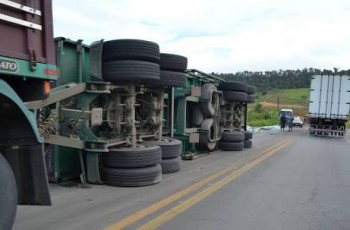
x=283, y=121
x=290, y=124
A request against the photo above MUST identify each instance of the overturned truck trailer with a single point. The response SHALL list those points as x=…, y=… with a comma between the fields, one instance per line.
x=329, y=105
x=104, y=113
x=211, y=114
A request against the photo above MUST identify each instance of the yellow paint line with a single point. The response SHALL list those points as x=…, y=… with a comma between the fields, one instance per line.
x=168, y=200
x=165, y=217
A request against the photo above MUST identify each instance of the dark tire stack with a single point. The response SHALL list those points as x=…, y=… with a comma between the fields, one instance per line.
x=250, y=94
x=132, y=167
x=248, y=136
x=172, y=71
x=234, y=91
x=232, y=141
x=235, y=98
x=130, y=60
x=171, y=150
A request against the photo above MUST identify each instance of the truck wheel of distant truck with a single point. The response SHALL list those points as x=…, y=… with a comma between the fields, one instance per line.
x=8, y=195
x=130, y=49
x=130, y=71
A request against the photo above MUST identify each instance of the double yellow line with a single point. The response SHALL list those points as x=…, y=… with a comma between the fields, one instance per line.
x=176, y=210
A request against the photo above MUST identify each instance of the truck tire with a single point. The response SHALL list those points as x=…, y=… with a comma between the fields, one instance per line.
x=248, y=144
x=250, y=98
x=171, y=165
x=168, y=79
x=251, y=90
x=232, y=136
x=173, y=62
x=132, y=157
x=233, y=86
x=248, y=135
x=170, y=147
x=234, y=96
x=132, y=177
x=231, y=146
x=8, y=195
x=130, y=49
x=130, y=71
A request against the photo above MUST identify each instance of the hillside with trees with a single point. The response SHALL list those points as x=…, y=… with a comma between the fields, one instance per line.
x=281, y=79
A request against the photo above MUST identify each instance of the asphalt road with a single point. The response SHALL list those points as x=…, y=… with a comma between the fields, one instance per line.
x=288, y=180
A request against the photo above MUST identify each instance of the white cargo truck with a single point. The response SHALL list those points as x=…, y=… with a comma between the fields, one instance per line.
x=329, y=105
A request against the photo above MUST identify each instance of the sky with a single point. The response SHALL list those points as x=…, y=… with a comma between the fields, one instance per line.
x=221, y=36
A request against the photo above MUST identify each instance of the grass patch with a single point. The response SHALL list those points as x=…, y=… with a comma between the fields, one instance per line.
x=262, y=116
x=296, y=99
x=265, y=111
x=288, y=96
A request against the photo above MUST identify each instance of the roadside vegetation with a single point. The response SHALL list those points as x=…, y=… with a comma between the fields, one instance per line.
x=264, y=111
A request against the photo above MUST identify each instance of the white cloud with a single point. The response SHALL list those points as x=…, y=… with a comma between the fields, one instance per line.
x=222, y=35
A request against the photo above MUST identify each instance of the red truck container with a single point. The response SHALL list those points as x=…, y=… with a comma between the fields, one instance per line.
x=27, y=31
x=27, y=51
x=27, y=67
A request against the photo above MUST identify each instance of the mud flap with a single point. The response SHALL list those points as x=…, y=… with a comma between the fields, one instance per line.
x=29, y=168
